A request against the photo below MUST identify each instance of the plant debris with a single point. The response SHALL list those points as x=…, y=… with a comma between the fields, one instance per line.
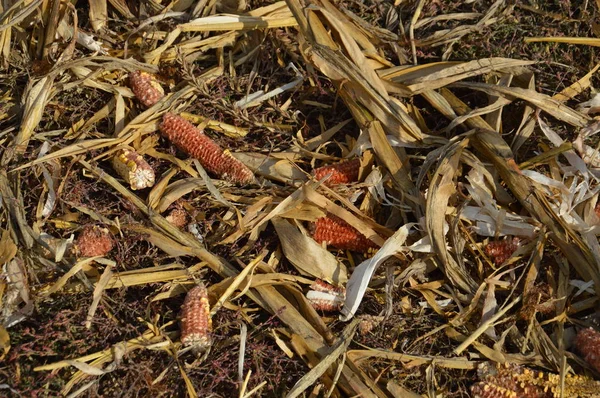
x=381, y=198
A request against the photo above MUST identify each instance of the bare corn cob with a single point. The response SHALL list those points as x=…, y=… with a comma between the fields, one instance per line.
x=514, y=381
x=341, y=173
x=326, y=297
x=339, y=234
x=93, y=241
x=196, y=324
x=146, y=88
x=588, y=344
x=132, y=167
x=195, y=143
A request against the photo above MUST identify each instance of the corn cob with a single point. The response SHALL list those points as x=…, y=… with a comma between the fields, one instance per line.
x=326, y=297
x=178, y=218
x=514, y=381
x=341, y=235
x=539, y=299
x=195, y=143
x=146, y=88
x=132, y=167
x=588, y=344
x=367, y=323
x=341, y=173
x=196, y=324
x=93, y=241
x=501, y=250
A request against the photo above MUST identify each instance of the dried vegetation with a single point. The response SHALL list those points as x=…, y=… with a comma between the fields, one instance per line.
x=375, y=199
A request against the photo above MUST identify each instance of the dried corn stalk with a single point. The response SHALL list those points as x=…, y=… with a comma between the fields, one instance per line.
x=196, y=324
x=146, y=88
x=132, y=167
x=341, y=173
x=194, y=142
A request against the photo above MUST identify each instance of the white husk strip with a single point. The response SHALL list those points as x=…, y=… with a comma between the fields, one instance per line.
x=359, y=281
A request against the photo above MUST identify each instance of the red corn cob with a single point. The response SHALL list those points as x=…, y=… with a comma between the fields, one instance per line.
x=339, y=234
x=367, y=323
x=326, y=297
x=146, y=88
x=93, y=241
x=196, y=324
x=325, y=304
x=538, y=299
x=501, y=250
x=194, y=142
x=588, y=344
x=341, y=173
x=177, y=217
x=322, y=286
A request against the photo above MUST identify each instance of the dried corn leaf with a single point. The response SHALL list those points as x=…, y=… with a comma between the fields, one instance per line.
x=577, y=87
x=237, y=22
x=339, y=348
x=442, y=187
x=8, y=249
x=227, y=129
x=98, y=14
x=421, y=78
x=4, y=342
x=151, y=275
x=178, y=189
x=542, y=101
x=308, y=256
x=495, y=149
x=359, y=356
x=360, y=278
x=36, y=98
x=15, y=304
x=98, y=291
x=587, y=41
x=278, y=167
x=72, y=150
x=166, y=244
x=62, y=281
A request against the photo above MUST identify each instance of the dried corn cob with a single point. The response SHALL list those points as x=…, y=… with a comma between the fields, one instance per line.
x=367, y=323
x=538, y=299
x=194, y=142
x=146, y=88
x=501, y=250
x=132, y=167
x=588, y=344
x=326, y=297
x=196, y=325
x=514, y=381
x=93, y=241
x=178, y=218
x=339, y=234
x=341, y=173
